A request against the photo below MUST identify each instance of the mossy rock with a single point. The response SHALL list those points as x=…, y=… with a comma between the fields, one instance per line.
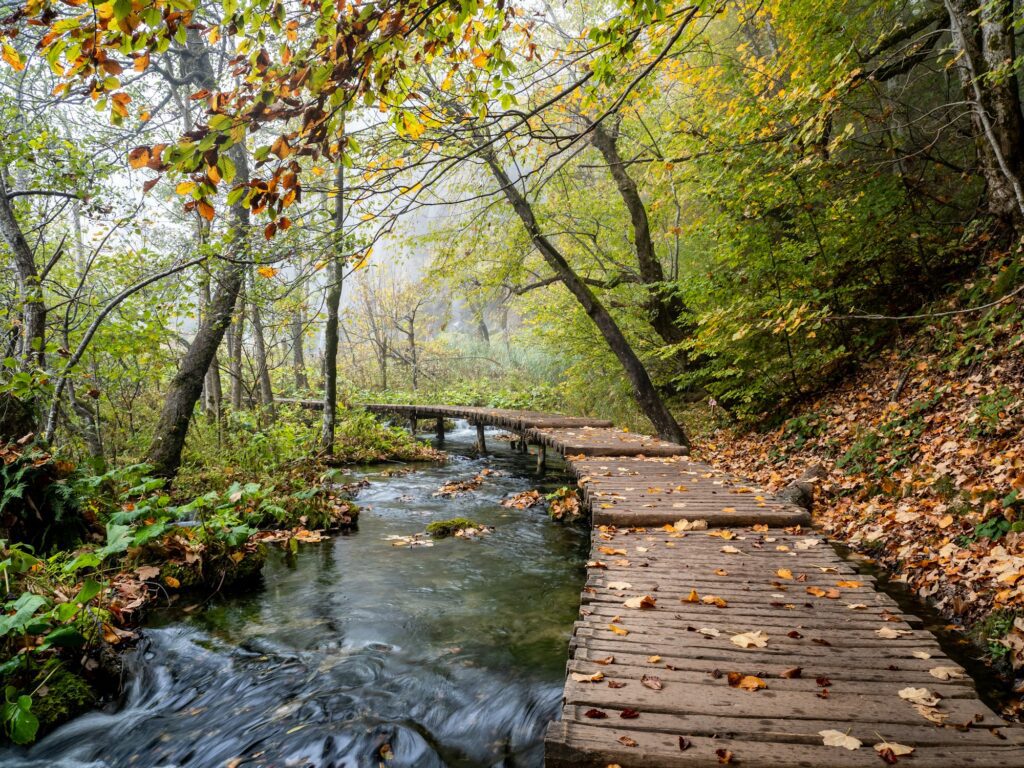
x=440, y=529
x=63, y=696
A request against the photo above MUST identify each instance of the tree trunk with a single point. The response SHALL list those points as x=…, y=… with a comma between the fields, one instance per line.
x=336, y=273
x=643, y=388
x=262, y=366
x=236, y=335
x=666, y=309
x=187, y=385
x=982, y=32
x=299, y=353
x=33, y=309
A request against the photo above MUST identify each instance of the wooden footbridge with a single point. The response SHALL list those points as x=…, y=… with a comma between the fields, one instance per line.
x=716, y=628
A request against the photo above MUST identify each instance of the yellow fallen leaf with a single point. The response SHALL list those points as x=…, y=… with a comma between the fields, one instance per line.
x=784, y=573
x=618, y=630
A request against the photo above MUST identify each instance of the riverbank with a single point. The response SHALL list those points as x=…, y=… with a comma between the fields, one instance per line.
x=87, y=557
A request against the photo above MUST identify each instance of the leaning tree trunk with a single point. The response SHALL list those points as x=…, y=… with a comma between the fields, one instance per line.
x=335, y=275
x=33, y=309
x=983, y=36
x=643, y=388
x=665, y=307
x=187, y=385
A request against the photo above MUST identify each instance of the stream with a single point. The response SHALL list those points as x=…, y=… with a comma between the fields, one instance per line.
x=356, y=650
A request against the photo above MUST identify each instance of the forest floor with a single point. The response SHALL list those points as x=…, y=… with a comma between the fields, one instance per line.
x=923, y=458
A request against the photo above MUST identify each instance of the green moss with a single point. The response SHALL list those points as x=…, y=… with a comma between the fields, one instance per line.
x=62, y=695
x=439, y=529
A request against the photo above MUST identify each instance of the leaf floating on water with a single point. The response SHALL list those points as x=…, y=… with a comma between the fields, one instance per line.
x=834, y=738
x=756, y=639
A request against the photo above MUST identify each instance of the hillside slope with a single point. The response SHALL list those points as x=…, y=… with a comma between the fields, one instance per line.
x=922, y=452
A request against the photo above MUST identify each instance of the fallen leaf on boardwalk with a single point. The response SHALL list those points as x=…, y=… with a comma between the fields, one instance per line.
x=919, y=696
x=897, y=750
x=693, y=597
x=724, y=756
x=596, y=564
x=921, y=655
x=618, y=630
x=616, y=684
x=619, y=585
x=856, y=606
x=714, y=600
x=791, y=673
x=755, y=639
x=652, y=682
x=721, y=572
x=890, y=634
x=645, y=602
x=730, y=550
x=627, y=742
x=654, y=659
x=839, y=739
x=684, y=743
x=807, y=543
x=931, y=714
x=595, y=714
x=946, y=673
x=784, y=573
x=816, y=591
x=629, y=714
x=691, y=525
x=746, y=682
x=605, y=661
x=610, y=551
x=848, y=584
x=581, y=677
x=723, y=534
x=709, y=632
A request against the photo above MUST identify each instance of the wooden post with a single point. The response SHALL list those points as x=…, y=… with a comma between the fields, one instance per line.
x=524, y=447
x=412, y=426
x=481, y=444
x=542, y=455
x=440, y=429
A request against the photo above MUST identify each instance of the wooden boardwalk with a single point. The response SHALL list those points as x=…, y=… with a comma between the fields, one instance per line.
x=716, y=628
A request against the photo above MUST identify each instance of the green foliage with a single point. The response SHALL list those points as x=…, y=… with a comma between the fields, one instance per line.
x=994, y=412
x=37, y=503
x=893, y=443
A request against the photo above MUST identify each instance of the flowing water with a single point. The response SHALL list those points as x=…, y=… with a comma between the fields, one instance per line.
x=451, y=655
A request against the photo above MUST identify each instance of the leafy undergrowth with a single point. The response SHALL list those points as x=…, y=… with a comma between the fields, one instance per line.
x=66, y=612
x=923, y=459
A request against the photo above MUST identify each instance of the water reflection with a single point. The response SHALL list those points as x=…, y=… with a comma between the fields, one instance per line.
x=356, y=649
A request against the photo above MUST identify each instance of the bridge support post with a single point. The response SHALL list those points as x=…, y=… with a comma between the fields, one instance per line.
x=439, y=429
x=542, y=456
x=412, y=425
x=523, y=446
x=481, y=444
